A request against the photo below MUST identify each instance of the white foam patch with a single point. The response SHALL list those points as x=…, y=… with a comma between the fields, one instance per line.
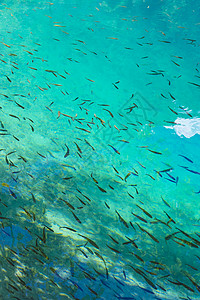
x=186, y=127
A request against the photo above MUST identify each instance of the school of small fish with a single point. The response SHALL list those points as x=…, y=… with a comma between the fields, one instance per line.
x=80, y=217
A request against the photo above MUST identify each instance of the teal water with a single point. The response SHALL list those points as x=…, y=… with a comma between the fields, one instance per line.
x=99, y=155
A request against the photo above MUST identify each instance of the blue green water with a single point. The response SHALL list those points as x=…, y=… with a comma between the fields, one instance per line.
x=99, y=129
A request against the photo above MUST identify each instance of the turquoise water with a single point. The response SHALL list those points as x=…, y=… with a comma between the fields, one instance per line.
x=99, y=155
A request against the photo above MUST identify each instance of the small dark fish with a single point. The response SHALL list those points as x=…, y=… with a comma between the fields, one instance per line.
x=115, y=86
x=114, y=250
x=130, y=195
x=4, y=133
x=103, y=282
x=81, y=200
x=173, y=110
x=19, y=105
x=193, y=282
x=192, y=171
x=130, y=241
x=77, y=219
x=11, y=152
x=84, y=195
x=170, y=122
x=30, y=120
x=172, y=96
x=100, y=256
x=44, y=235
x=41, y=155
x=180, y=57
x=32, y=128
x=71, y=229
x=114, y=149
x=67, y=153
x=118, y=280
x=122, y=220
x=173, y=178
x=196, y=241
x=140, y=218
x=155, y=73
x=163, y=96
x=82, y=252
x=175, y=63
x=13, y=116
x=136, y=190
x=21, y=157
x=170, y=217
x=109, y=112
x=138, y=257
x=197, y=192
x=115, y=170
x=79, y=149
x=28, y=214
x=12, y=194
x=79, y=155
x=150, y=176
x=167, y=42
x=192, y=267
x=124, y=274
x=68, y=204
x=90, y=241
x=174, y=181
x=92, y=291
x=116, y=242
x=166, y=170
x=127, y=176
x=186, y=158
x=150, y=216
x=150, y=292
x=150, y=282
x=132, y=225
x=141, y=165
x=67, y=178
x=83, y=129
x=185, y=111
x=4, y=218
x=76, y=285
x=89, y=144
x=107, y=205
x=187, y=242
x=151, y=236
x=101, y=189
x=194, y=84
x=162, y=288
x=5, y=95
x=155, y=152
x=128, y=48
x=165, y=202
x=168, y=237
x=33, y=197
x=12, y=286
x=8, y=78
x=49, y=228
x=94, y=179
x=180, y=283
